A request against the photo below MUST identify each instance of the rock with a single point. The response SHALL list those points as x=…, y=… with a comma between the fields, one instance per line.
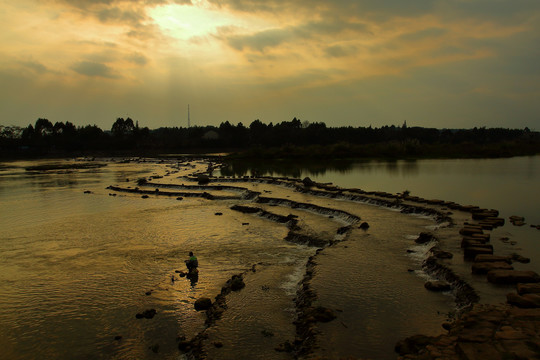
x=146, y=314
x=218, y=214
x=144, y=196
x=118, y=337
x=284, y=347
x=530, y=288
x=203, y=303
x=203, y=179
x=492, y=258
x=521, y=259
x=218, y=344
x=413, y=344
x=308, y=182
x=236, y=283
x=485, y=267
x=524, y=301
x=179, y=198
x=470, y=230
x=425, y=237
x=473, y=251
x=364, y=226
x=184, y=345
x=512, y=277
x=437, y=285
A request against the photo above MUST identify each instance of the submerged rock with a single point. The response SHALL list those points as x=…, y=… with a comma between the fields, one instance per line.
x=146, y=314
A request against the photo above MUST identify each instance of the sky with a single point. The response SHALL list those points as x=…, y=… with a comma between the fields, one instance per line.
x=442, y=64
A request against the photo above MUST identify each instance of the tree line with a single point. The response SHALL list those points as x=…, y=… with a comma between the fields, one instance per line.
x=286, y=139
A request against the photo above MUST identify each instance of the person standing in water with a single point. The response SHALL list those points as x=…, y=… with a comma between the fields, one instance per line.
x=192, y=264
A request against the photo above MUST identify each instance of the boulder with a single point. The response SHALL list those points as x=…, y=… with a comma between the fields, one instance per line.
x=308, y=182
x=524, y=301
x=487, y=266
x=203, y=179
x=512, y=277
x=437, y=285
x=203, y=303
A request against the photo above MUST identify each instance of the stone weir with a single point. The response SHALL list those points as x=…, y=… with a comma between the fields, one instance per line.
x=473, y=244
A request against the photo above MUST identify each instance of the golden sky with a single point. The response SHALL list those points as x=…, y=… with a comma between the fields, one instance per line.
x=444, y=64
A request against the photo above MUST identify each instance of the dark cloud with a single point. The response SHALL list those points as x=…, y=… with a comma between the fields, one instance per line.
x=274, y=37
x=340, y=51
x=138, y=59
x=35, y=67
x=94, y=69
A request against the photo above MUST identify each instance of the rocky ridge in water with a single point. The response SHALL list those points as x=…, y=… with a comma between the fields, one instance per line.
x=475, y=247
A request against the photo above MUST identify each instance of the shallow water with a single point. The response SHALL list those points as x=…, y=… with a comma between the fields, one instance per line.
x=75, y=269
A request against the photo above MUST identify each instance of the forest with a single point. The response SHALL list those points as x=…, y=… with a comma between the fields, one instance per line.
x=288, y=139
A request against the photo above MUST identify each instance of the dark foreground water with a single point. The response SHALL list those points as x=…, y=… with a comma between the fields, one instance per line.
x=77, y=264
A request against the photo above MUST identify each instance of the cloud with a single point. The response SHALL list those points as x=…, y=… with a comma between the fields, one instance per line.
x=94, y=69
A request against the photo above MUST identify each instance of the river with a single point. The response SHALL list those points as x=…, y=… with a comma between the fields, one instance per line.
x=79, y=261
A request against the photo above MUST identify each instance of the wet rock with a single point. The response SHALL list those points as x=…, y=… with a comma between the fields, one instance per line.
x=412, y=344
x=203, y=179
x=203, y=303
x=521, y=259
x=512, y=277
x=530, y=288
x=425, y=237
x=524, y=301
x=284, y=347
x=472, y=251
x=146, y=314
x=485, y=267
x=492, y=258
x=308, y=182
x=185, y=345
x=437, y=285
x=236, y=283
